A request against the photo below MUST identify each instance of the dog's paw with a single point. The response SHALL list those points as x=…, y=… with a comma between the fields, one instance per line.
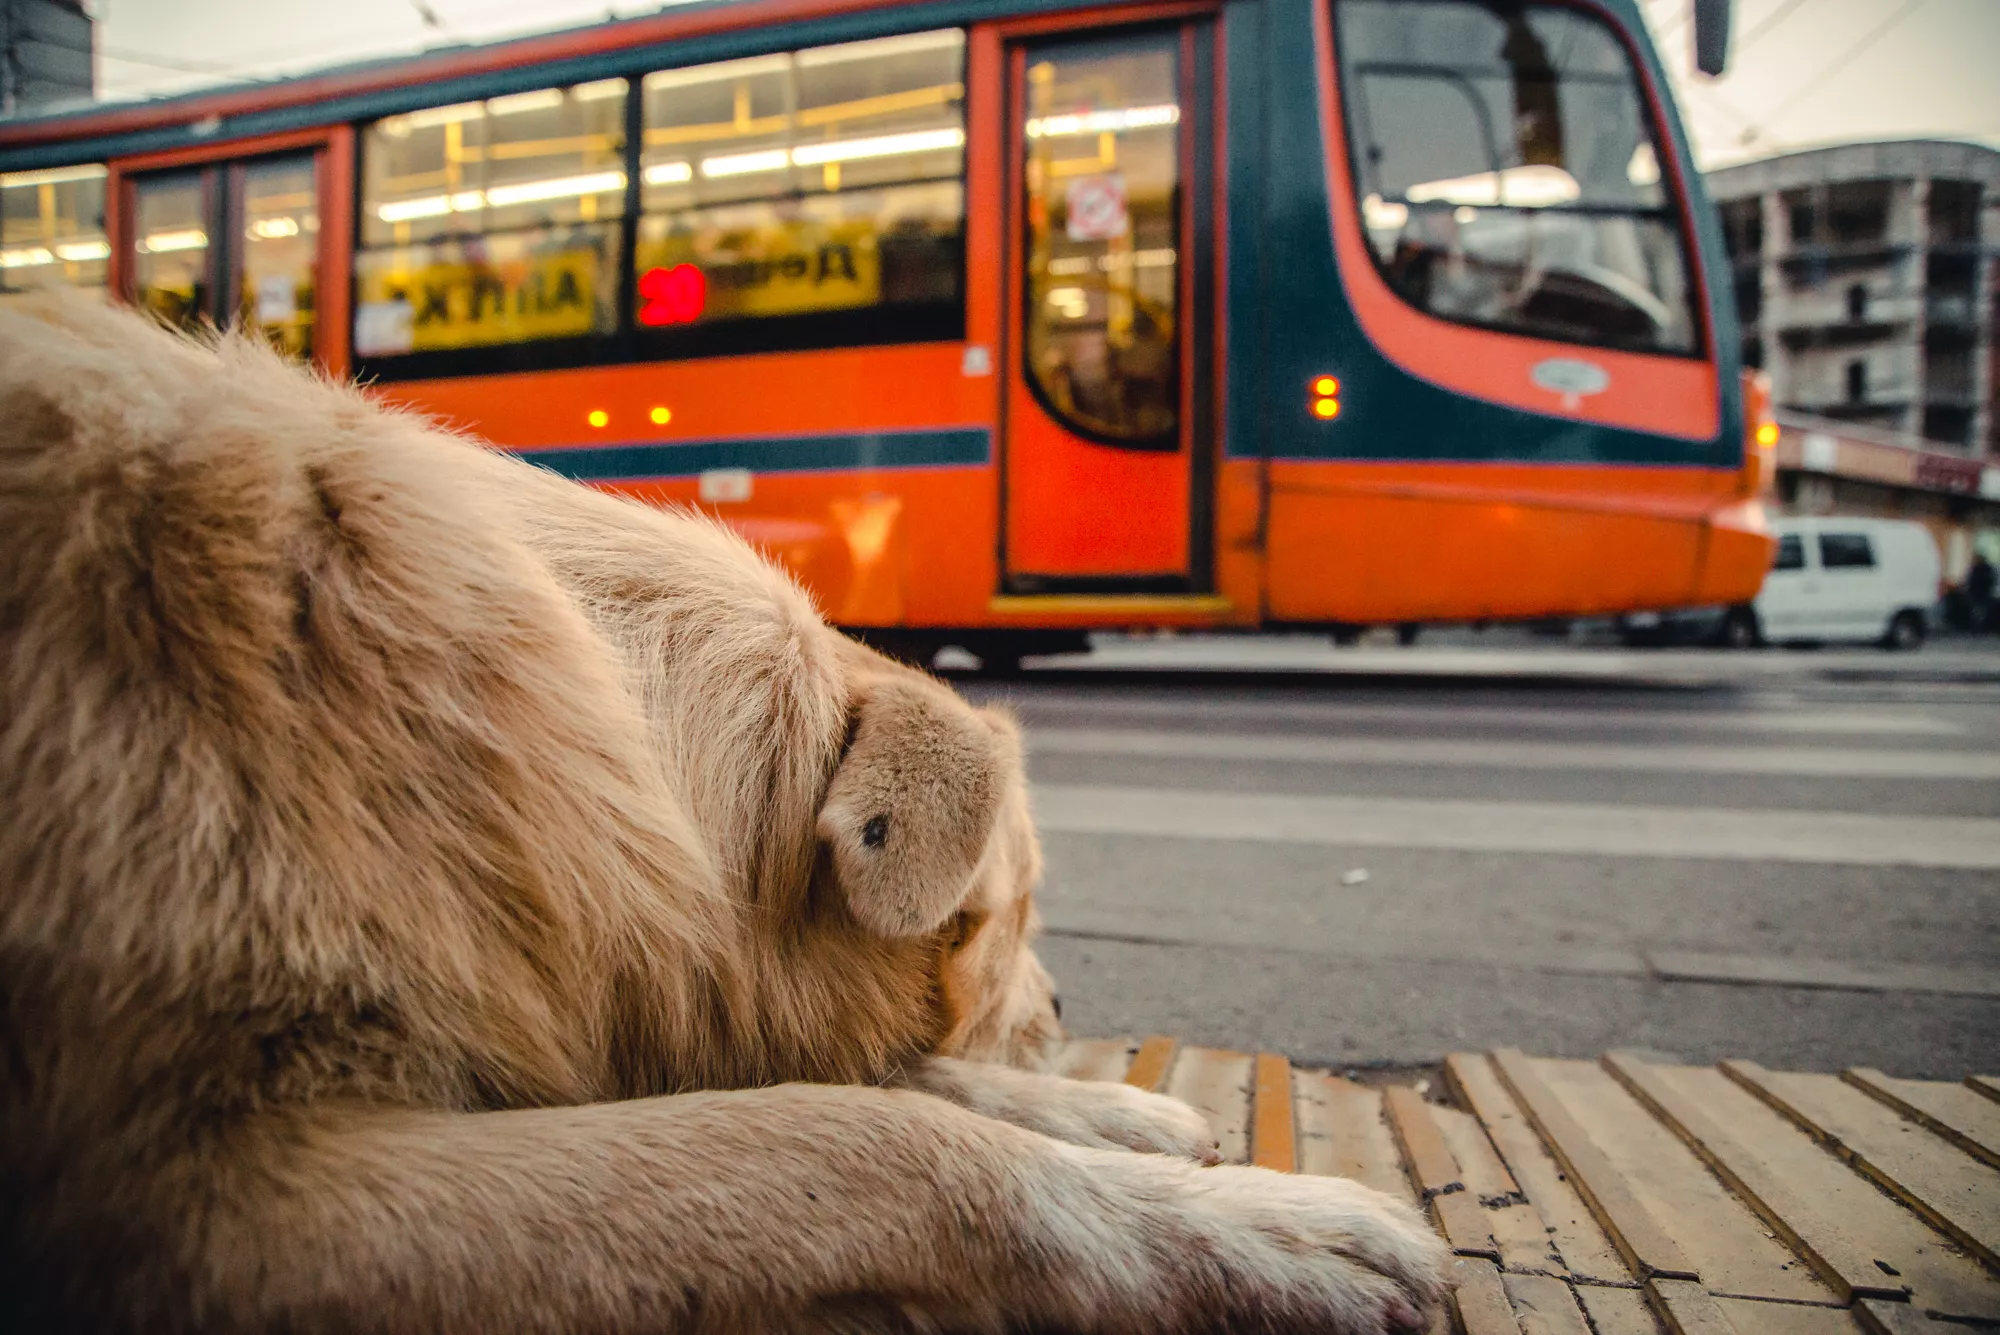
x=1229, y=1248
x=1096, y=1114
x=1331, y=1246
x=1106, y=1115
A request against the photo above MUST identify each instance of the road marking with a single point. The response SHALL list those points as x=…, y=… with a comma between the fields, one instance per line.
x=1168, y=928
x=1300, y=656
x=1857, y=838
x=1812, y=762
x=1844, y=975
x=1676, y=966
x=1447, y=716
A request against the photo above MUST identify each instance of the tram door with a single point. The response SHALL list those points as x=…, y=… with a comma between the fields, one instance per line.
x=1110, y=354
x=234, y=242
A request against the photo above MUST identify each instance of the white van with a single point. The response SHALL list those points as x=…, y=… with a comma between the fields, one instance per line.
x=1870, y=580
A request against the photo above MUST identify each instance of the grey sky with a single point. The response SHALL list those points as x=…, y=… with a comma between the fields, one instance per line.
x=1900, y=68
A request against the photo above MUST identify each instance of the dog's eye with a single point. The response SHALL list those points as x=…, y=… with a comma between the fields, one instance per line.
x=876, y=832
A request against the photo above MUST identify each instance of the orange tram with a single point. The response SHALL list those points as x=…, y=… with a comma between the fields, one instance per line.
x=999, y=321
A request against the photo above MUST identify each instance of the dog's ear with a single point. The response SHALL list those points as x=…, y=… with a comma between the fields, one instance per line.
x=914, y=802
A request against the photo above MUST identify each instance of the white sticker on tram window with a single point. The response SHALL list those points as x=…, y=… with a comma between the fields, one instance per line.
x=384, y=328
x=1096, y=208
x=720, y=486
x=978, y=360
x=1571, y=377
x=277, y=299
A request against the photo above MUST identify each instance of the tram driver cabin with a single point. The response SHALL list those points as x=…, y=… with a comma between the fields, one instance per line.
x=999, y=321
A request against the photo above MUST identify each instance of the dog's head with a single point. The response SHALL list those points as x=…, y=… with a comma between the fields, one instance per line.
x=928, y=837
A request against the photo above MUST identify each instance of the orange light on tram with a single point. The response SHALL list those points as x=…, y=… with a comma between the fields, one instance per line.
x=1760, y=450
x=661, y=415
x=598, y=417
x=1325, y=397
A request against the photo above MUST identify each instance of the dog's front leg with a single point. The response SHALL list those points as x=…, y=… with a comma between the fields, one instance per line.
x=1099, y=1113
x=784, y=1209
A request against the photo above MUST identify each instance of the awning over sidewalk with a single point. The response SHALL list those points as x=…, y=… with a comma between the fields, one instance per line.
x=1834, y=449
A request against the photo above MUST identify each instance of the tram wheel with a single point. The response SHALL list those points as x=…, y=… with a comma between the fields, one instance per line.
x=1740, y=629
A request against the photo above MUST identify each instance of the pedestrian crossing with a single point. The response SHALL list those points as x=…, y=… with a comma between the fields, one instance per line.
x=1659, y=757
x=1305, y=747
x=1855, y=838
x=1223, y=708
x=1191, y=820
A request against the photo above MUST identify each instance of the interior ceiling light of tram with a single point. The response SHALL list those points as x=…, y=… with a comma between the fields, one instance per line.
x=1115, y=121
x=675, y=173
x=76, y=252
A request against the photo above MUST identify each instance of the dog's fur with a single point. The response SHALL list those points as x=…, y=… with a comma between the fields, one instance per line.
x=427, y=888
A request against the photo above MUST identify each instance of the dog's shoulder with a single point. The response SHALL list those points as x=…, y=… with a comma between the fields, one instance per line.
x=297, y=736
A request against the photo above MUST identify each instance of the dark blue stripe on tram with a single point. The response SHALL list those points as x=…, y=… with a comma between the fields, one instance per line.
x=768, y=454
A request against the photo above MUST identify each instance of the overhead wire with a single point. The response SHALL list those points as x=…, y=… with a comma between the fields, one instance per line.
x=1765, y=24
x=430, y=17
x=1673, y=25
x=261, y=60
x=1740, y=44
x=1816, y=80
x=254, y=66
x=183, y=66
x=129, y=57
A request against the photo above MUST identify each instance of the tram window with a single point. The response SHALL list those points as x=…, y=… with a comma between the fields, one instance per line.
x=1102, y=176
x=1509, y=171
x=170, y=247
x=277, y=286
x=492, y=222
x=817, y=181
x=52, y=228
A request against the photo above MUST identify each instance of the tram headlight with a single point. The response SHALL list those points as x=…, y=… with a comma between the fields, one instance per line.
x=1325, y=398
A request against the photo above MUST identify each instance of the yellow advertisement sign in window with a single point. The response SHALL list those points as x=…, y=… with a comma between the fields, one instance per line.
x=494, y=290
x=781, y=269
x=893, y=246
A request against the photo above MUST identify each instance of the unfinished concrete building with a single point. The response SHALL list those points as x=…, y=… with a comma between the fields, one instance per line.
x=1865, y=279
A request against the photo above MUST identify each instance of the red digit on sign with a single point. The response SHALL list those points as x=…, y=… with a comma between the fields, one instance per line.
x=672, y=296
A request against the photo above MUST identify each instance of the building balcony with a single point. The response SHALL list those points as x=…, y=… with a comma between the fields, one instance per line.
x=1865, y=410
x=1949, y=423
x=1816, y=261
x=1949, y=392
x=1952, y=310
x=1799, y=334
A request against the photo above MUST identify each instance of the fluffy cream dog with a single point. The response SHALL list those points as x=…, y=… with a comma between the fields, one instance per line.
x=437, y=897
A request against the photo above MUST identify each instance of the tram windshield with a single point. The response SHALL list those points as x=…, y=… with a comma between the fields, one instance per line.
x=1508, y=168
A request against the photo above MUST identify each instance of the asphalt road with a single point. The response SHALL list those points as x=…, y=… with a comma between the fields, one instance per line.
x=1380, y=859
